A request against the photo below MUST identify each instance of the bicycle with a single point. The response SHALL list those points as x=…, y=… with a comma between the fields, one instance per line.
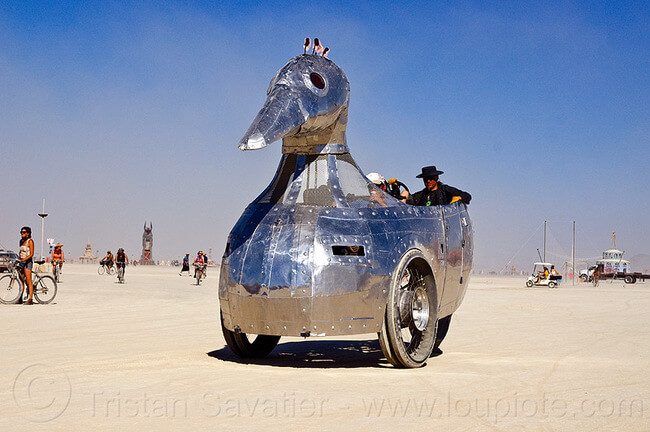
x=12, y=286
x=57, y=271
x=199, y=273
x=120, y=273
x=104, y=269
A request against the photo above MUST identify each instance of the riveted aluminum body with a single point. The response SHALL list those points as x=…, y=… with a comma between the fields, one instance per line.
x=315, y=252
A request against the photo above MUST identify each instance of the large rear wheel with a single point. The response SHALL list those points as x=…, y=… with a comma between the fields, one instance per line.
x=411, y=318
x=11, y=288
x=249, y=346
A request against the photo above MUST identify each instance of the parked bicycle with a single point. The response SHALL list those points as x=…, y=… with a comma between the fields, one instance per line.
x=12, y=286
x=104, y=269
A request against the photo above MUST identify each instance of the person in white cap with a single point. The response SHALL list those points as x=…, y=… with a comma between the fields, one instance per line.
x=379, y=181
x=382, y=184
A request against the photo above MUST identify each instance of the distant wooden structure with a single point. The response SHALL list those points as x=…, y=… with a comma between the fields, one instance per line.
x=88, y=257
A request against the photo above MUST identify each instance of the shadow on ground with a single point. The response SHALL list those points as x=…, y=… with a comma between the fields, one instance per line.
x=315, y=354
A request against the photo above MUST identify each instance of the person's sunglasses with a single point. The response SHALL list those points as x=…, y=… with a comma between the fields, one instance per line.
x=23, y=232
x=431, y=178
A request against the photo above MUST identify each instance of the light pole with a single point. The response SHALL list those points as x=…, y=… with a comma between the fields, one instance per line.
x=43, y=216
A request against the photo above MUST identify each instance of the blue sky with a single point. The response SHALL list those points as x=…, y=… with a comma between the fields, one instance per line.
x=117, y=114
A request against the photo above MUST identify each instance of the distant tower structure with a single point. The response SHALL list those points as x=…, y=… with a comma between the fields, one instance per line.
x=147, y=244
x=613, y=239
x=88, y=257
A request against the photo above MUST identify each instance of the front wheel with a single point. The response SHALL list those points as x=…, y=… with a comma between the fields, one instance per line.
x=111, y=270
x=45, y=289
x=409, y=331
x=630, y=279
x=11, y=289
x=529, y=283
x=552, y=284
x=101, y=270
x=249, y=346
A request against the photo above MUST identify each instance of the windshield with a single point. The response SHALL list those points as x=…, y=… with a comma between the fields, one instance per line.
x=322, y=180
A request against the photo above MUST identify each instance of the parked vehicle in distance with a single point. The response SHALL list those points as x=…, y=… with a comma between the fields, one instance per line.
x=6, y=256
x=629, y=277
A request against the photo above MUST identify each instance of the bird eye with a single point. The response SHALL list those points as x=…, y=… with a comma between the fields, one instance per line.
x=316, y=83
x=317, y=80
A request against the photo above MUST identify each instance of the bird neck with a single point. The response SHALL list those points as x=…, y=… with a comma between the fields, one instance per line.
x=314, y=137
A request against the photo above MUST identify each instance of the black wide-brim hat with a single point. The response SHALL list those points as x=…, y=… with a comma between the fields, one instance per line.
x=429, y=171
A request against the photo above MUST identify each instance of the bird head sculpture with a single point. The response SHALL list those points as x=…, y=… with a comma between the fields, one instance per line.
x=306, y=107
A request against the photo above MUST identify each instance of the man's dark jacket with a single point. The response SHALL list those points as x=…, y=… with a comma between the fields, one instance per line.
x=440, y=196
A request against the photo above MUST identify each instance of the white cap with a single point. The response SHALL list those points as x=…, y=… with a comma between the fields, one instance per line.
x=376, y=178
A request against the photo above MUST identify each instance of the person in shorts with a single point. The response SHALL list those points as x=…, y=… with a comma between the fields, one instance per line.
x=25, y=262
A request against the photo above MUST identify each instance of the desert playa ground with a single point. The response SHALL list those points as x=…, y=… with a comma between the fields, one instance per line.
x=149, y=355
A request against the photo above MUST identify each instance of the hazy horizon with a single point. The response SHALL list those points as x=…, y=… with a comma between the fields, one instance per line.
x=118, y=114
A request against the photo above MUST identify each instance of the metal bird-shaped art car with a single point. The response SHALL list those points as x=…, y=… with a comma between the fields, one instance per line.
x=322, y=251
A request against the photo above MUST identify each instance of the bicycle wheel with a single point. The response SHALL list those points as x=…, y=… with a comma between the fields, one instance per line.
x=45, y=289
x=11, y=288
x=101, y=270
x=111, y=270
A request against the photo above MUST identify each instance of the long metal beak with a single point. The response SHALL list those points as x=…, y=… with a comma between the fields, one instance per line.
x=280, y=114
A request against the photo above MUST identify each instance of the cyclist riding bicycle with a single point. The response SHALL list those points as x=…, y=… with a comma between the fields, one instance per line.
x=199, y=262
x=57, y=258
x=121, y=259
x=107, y=260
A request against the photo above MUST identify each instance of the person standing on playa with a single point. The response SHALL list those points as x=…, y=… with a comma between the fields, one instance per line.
x=435, y=192
x=26, y=262
x=186, y=265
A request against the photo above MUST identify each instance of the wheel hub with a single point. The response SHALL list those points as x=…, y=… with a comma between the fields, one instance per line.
x=414, y=308
x=420, y=309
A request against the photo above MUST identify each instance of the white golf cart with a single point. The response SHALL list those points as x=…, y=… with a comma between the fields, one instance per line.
x=538, y=278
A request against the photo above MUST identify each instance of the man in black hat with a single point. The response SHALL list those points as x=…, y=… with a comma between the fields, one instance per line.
x=435, y=192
